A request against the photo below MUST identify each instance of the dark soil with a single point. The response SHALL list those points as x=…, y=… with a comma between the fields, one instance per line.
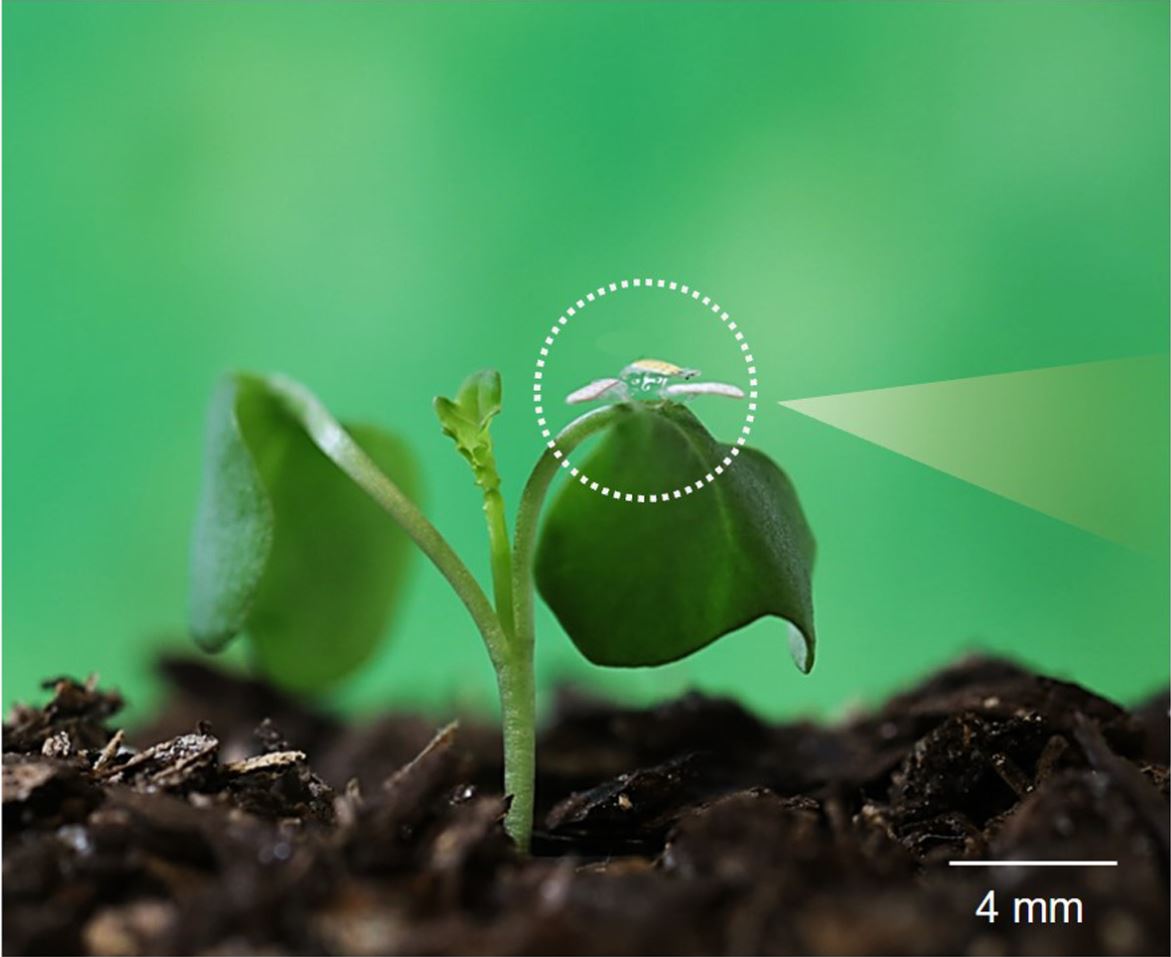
x=243, y=823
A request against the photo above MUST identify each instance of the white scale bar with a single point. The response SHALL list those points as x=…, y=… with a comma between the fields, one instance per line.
x=1033, y=863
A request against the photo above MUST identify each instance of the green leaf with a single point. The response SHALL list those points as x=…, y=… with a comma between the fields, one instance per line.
x=643, y=584
x=287, y=549
x=467, y=420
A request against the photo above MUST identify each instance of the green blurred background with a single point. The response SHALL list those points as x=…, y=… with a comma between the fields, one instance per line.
x=378, y=199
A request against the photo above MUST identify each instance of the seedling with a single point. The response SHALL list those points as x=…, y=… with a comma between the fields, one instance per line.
x=651, y=379
x=290, y=549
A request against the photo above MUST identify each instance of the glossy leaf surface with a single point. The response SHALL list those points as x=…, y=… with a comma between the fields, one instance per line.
x=643, y=584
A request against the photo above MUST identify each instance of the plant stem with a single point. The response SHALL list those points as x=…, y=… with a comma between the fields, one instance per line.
x=518, y=709
x=513, y=665
x=507, y=630
x=501, y=556
x=528, y=512
x=328, y=435
x=515, y=678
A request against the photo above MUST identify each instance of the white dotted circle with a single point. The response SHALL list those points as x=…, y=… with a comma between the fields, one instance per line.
x=669, y=286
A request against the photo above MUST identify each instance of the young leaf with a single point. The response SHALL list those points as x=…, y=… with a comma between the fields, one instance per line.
x=287, y=548
x=467, y=419
x=643, y=584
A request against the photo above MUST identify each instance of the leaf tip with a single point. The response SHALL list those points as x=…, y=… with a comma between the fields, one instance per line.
x=800, y=648
x=211, y=641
